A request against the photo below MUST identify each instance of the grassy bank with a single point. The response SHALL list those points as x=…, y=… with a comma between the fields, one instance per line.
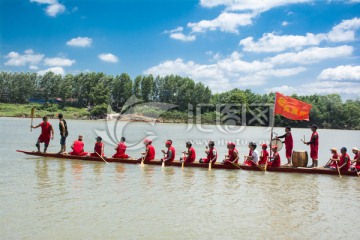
x=51, y=110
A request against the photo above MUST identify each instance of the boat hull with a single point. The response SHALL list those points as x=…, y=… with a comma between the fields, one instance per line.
x=195, y=165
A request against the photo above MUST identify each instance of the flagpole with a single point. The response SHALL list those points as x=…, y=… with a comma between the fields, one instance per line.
x=272, y=122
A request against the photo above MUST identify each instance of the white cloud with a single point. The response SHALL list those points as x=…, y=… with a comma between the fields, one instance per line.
x=284, y=23
x=312, y=55
x=28, y=58
x=178, y=35
x=254, y=5
x=345, y=31
x=108, y=57
x=345, y=89
x=54, y=7
x=57, y=61
x=341, y=73
x=80, y=42
x=56, y=70
x=271, y=42
x=224, y=74
x=225, y=22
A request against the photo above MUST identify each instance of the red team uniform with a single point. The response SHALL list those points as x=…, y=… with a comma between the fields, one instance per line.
x=45, y=133
x=120, y=152
x=314, y=146
x=264, y=156
x=97, y=150
x=78, y=149
x=191, y=157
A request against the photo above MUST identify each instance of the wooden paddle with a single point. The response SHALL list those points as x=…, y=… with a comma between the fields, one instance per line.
x=210, y=165
x=337, y=167
x=142, y=160
x=163, y=161
x=101, y=157
x=32, y=117
x=183, y=160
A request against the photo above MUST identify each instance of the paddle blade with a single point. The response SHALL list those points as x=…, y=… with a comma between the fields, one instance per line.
x=210, y=166
x=32, y=112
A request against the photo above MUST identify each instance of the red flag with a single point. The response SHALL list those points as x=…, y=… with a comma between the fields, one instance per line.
x=291, y=108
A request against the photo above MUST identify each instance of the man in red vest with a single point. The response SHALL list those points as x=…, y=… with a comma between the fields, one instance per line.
x=121, y=149
x=47, y=132
x=314, y=146
x=289, y=144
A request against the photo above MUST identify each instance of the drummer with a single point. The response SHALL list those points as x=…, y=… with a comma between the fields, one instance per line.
x=289, y=144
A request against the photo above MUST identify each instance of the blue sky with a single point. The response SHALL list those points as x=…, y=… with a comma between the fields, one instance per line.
x=291, y=46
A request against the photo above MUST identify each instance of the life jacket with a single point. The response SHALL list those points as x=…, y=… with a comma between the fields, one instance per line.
x=78, y=147
x=98, y=147
x=231, y=154
x=150, y=153
x=210, y=155
x=121, y=149
x=264, y=157
x=342, y=161
x=289, y=141
x=192, y=155
x=45, y=129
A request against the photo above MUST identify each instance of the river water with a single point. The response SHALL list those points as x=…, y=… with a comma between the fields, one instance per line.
x=68, y=199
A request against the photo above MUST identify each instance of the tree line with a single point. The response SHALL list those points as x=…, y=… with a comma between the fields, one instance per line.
x=98, y=91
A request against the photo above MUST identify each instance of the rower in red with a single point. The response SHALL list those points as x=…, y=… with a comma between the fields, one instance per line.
x=345, y=162
x=169, y=154
x=211, y=153
x=253, y=157
x=356, y=160
x=98, y=148
x=289, y=144
x=121, y=149
x=276, y=161
x=332, y=161
x=264, y=155
x=190, y=155
x=149, y=153
x=233, y=154
x=78, y=147
x=47, y=132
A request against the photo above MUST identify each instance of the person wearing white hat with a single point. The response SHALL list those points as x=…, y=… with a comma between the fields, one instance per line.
x=356, y=160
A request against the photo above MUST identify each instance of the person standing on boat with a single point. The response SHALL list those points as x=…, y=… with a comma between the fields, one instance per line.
x=190, y=155
x=253, y=157
x=78, y=147
x=356, y=160
x=332, y=161
x=314, y=146
x=98, y=148
x=47, y=132
x=233, y=154
x=149, y=153
x=289, y=144
x=63, y=133
x=276, y=161
x=169, y=155
x=120, y=149
x=345, y=162
x=264, y=154
x=211, y=153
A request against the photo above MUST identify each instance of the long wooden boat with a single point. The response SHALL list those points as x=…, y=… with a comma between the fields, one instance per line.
x=196, y=165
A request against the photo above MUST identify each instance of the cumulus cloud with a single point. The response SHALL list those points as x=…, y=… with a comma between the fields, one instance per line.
x=254, y=5
x=345, y=31
x=271, y=42
x=179, y=35
x=341, y=73
x=108, y=57
x=312, y=55
x=79, y=42
x=53, y=7
x=226, y=73
x=28, y=58
x=56, y=70
x=57, y=61
x=225, y=22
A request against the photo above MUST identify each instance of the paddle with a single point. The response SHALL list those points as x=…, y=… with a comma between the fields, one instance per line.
x=32, y=117
x=183, y=160
x=163, y=161
x=101, y=157
x=142, y=160
x=337, y=167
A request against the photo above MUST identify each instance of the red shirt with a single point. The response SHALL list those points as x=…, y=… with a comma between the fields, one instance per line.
x=121, y=149
x=342, y=161
x=150, y=153
x=98, y=147
x=315, y=141
x=192, y=155
x=264, y=156
x=232, y=155
x=211, y=155
x=277, y=161
x=78, y=147
x=357, y=159
x=45, y=129
x=333, y=163
x=289, y=144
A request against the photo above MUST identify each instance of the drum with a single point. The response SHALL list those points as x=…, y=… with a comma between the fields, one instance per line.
x=278, y=143
x=299, y=158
